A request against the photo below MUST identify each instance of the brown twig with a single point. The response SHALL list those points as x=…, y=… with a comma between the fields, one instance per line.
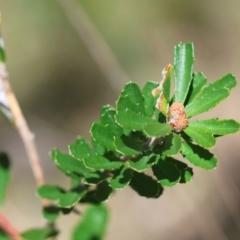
x=22, y=128
x=95, y=43
x=8, y=228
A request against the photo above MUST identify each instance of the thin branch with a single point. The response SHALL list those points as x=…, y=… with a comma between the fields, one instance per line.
x=8, y=228
x=22, y=128
x=95, y=43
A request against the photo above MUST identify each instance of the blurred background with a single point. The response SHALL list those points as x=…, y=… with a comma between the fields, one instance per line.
x=68, y=58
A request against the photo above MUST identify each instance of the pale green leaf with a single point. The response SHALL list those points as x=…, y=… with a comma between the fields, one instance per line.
x=149, y=99
x=131, y=98
x=156, y=129
x=211, y=95
x=92, y=225
x=199, y=156
x=133, y=121
x=183, y=64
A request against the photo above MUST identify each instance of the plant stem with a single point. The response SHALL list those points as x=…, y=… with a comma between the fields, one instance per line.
x=22, y=128
x=8, y=228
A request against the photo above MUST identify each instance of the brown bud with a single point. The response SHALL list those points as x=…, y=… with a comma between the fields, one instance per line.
x=177, y=117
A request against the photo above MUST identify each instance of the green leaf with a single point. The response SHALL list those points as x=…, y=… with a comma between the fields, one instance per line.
x=128, y=145
x=94, y=178
x=69, y=199
x=80, y=149
x=68, y=164
x=133, y=121
x=167, y=85
x=4, y=175
x=37, y=233
x=105, y=108
x=105, y=131
x=149, y=99
x=2, y=54
x=3, y=235
x=142, y=163
x=103, y=135
x=199, y=156
x=50, y=192
x=211, y=95
x=183, y=64
x=92, y=225
x=145, y=185
x=200, y=136
x=101, y=163
x=202, y=131
x=198, y=82
x=131, y=98
x=121, y=178
x=172, y=145
x=51, y=213
x=98, y=148
x=166, y=173
x=90, y=198
x=215, y=126
x=156, y=129
x=186, y=172
x=103, y=191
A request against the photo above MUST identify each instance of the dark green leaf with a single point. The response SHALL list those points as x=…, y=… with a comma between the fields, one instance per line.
x=186, y=172
x=142, y=163
x=103, y=191
x=145, y=185
x=4, y=175
x=199, y=156
x=149, y=99
x=93, y=224
x=51, y=213
x=50, y=192
x=37, y=233
x=211, y=95
x=90, y=198
x=183, y=63
x=128, y=145
x=121, y=178
x=166, y=173
x=94, y=178
x=156, y=129
x=198, y=82
x=172, y=145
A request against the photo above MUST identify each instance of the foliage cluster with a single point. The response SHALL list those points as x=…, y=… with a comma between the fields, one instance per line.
x=135, y=144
